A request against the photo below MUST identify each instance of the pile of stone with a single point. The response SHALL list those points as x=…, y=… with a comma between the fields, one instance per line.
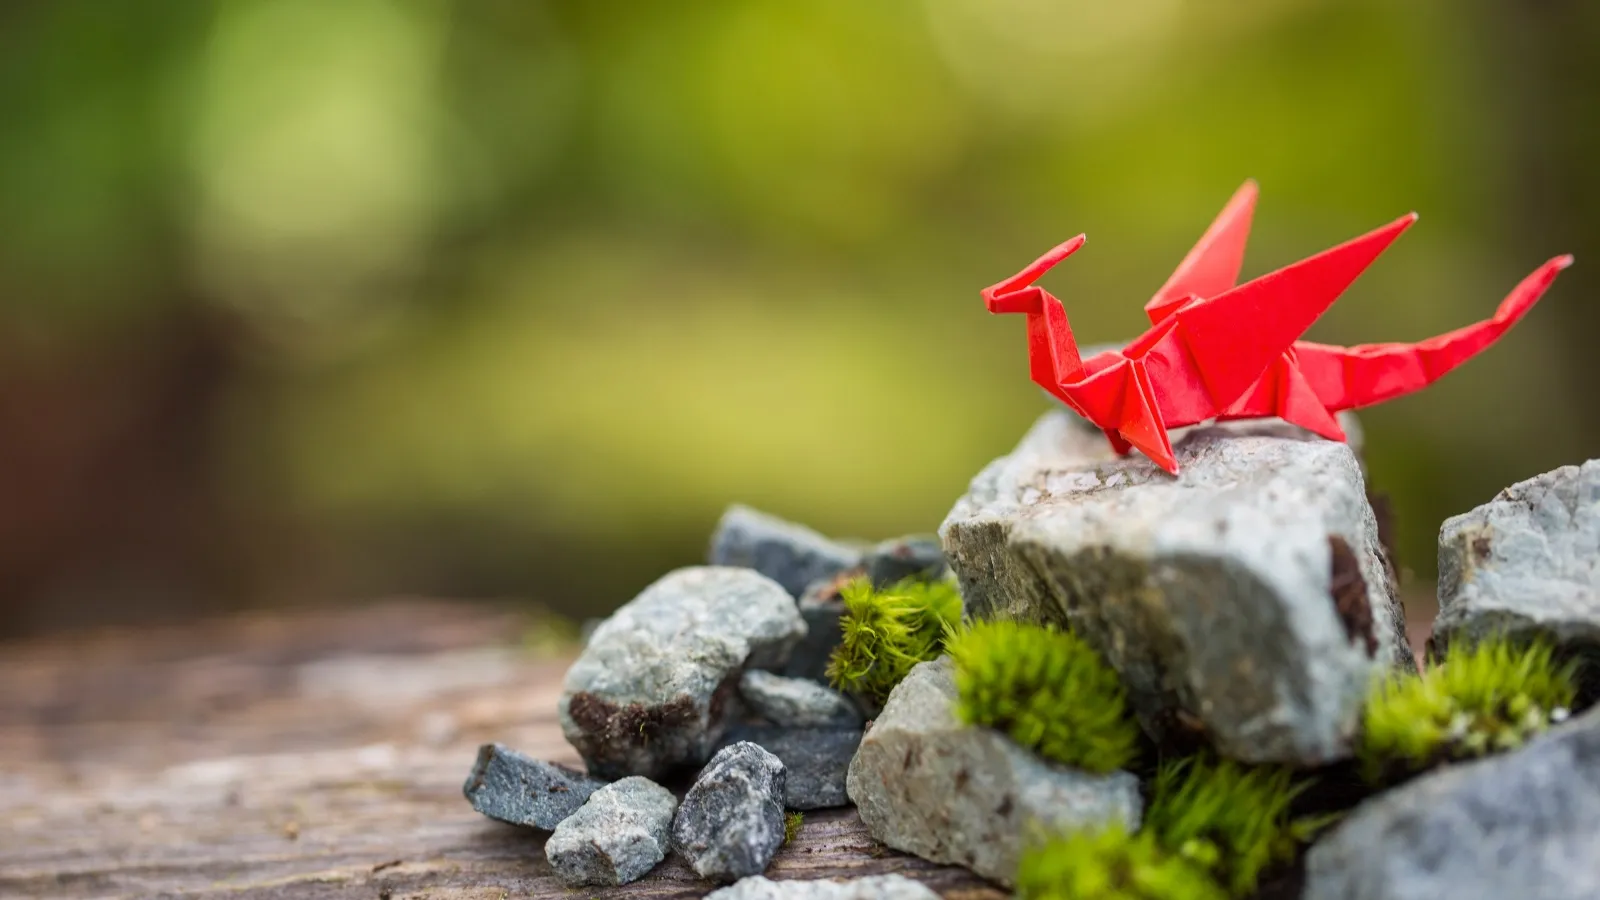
x=1247, y=606
x=716, y=669
x=1526, y=824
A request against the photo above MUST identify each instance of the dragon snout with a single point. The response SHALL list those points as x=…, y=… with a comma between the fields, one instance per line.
x=1029, y=301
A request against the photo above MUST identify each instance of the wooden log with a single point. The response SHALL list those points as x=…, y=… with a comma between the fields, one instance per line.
x=310, y=755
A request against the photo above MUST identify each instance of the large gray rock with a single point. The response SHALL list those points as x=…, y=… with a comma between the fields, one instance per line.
x=815, y=761
x=796, y=702
x=929, y=785
x=792, y=555
x=873, y=887
x=1526, y=825
x=1527, y=563
x=654, y=686
x=730, y=823
x=615, y=838
x=511, y=787
x=1248, y=598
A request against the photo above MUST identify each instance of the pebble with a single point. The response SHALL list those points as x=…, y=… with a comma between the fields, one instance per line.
x=730, y=823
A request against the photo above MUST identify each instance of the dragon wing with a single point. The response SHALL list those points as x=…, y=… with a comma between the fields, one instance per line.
x=1233, y=337
x=1213, y=265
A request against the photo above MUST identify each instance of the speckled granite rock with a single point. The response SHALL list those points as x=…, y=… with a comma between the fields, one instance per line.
x=1249, y=595
x=652, y=689
x=929, y=785
x=796, y=702
x=615, y=838
x=815, y=761
x=1526, y=562
x=511, y=787
x=875, y=887
x=730, y=823
x=1524, y=826
x=790, y=554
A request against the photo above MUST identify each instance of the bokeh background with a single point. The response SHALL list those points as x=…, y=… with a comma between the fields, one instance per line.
x=307, y=301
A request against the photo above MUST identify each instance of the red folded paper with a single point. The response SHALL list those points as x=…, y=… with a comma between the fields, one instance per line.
x=1217, y=351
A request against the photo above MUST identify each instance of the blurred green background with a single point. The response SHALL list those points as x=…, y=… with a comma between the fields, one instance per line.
x=305, y=300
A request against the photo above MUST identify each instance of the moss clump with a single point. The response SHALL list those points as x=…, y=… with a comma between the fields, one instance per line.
x=1110, y=864
x=887, y=632
x=1047, y=690
x=791, y=825
x=1228, y=819
x=1483, y=698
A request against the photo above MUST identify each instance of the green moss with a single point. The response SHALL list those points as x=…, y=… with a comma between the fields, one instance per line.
x=1046, y=689
x=1484, y=698
x=1110, y=864
x=791, y=826
x=1229, y=819
x=887, y=632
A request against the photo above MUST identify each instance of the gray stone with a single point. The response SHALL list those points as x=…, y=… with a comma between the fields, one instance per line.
x=617, y=837
x=873, y=887
x=1525, y=563
x=654, y=687
x=815, y=761
x=1525, y=825
x=1250, y=594
x=511, y=787
x=796, y=702
x=927, y=784
x=730, y=823
x=821, y=608
x=792, y=555
x=913, y=556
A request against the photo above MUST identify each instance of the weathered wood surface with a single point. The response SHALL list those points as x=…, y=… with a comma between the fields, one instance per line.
x=311, y=755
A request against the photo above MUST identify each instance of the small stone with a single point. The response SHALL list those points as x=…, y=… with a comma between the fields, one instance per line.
x=792, y=555
x=913, y=556
x=928, y=784
x=822, y=608
x=815, y=761
x=873, y=887
x=654, y=687
x=1247, y=600
x=617, y=837
x=796, y=702
x=730, y=823
x=1526, y=563
x=1524, y=825
x=511, y=787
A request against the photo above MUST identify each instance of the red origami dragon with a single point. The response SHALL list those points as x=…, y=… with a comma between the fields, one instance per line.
x=1220, y=351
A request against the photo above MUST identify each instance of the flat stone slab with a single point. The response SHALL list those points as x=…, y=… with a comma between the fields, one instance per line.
x=511, y=787
x=657, y=681
x=790, y=554
x=1525, y=563
x=1247, y=600
x=927, y=784
x=815, y=760
x=797, y=702
x=1525, y=825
